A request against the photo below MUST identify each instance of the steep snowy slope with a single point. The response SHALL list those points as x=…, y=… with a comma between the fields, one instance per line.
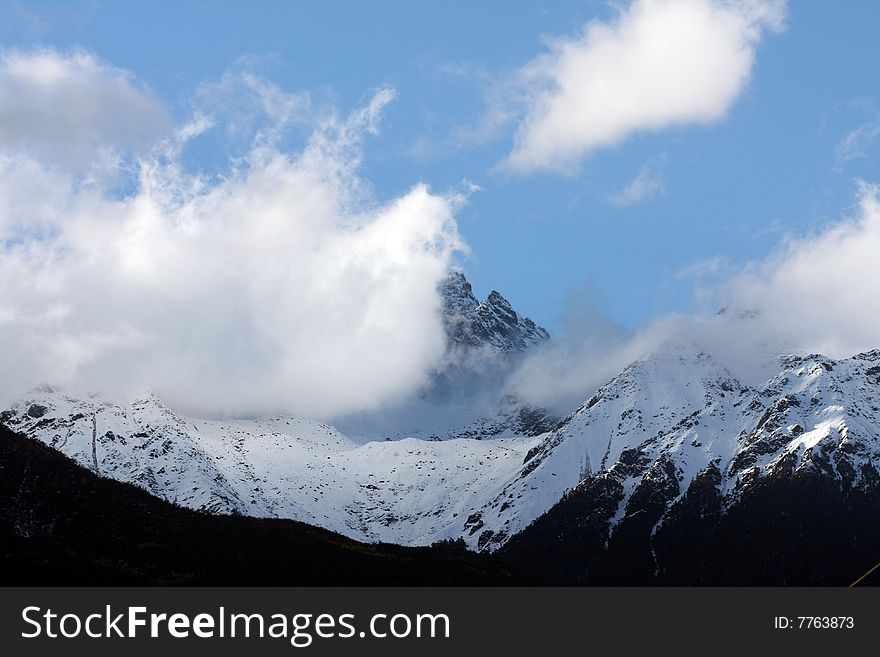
x=817, y=415
x=646, y=436
x=641, y=424
x=775, y=485
x=145, y=444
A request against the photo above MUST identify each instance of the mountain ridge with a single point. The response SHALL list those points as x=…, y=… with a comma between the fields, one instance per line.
x=807, y=440
x=667, y=421
x=674, y=436
x=60, y=524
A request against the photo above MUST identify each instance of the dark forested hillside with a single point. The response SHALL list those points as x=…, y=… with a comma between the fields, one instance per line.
x=800, y=530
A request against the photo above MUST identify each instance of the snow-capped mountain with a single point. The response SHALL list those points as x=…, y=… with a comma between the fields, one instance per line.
x=667, y=425
x=677, y=415
x=687, y=475
x=634, y=428
x=673, y=445
x=492, y=323
x=404, y=491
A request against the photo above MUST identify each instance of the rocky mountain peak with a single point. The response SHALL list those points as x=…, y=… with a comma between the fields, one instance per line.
x=457, y=293
x=493, y=323
x=495, y=299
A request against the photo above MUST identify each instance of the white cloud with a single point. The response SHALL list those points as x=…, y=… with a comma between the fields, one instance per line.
x=819, y=293
x=74, y=110
x=659, y=63
x=703, y=268
x=253, y=109
x=280, y=286
x=648, y=183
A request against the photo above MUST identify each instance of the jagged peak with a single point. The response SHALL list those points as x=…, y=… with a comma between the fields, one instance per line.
x=497, y=299
x=793, y=360
x=797, y=359
x=872, y=355
x=493, y=322
x=457, y=294
x=455, y=281
x=149, y=398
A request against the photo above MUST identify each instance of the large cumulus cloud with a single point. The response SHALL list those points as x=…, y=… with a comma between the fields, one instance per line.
x=282, y=285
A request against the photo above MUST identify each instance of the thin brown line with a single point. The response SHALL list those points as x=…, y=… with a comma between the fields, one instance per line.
x=867, y=574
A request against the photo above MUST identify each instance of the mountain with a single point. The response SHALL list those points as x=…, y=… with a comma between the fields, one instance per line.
x=493, y=323
x=406, y=491
x=633, y=427
x=690, y=477
x=672, y=472
x=465, y=395
x=60, y=524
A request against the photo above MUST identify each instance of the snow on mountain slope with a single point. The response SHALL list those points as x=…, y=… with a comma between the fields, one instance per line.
x=144, y=444
x=668, y=420
x=407, y=491
x=653, y=405
x=646, y=436
x=819, y=415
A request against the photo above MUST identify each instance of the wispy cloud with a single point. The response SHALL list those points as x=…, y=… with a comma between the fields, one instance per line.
x=659, y=63
x=648, y=183
x=18, y=17
x=492, y=123
x=817, y=292
x=856, y=143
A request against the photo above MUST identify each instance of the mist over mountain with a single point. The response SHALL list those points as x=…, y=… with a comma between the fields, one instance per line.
x=672, y=448
x=467, y=391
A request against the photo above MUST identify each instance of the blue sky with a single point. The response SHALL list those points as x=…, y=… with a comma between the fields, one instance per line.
x=730, y=190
